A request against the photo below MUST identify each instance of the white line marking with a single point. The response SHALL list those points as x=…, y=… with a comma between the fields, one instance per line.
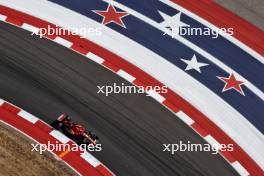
x=185, y=118
x=30, y=28
x=90, y=159
x=240, y=169
x=212, y=141
x=95, y=58
x=63, y=42
x=27, y=116
x=126, y=76
x=155, y=95
x=1, y=102
x=3, y=17
x=61, y=137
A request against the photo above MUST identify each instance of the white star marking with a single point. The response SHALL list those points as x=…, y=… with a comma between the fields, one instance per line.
x=194, y=64
x=172, y=24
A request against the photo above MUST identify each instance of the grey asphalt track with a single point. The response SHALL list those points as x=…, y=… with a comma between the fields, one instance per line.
x=47, y=79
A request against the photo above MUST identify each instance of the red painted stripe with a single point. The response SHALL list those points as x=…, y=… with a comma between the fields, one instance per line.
x=83, y=166
x=228, y=156
x=10, y=108
x=223, y=18
x=14, y=21
x=138, y=83
x=171, y=106
x=111, y=66
x=43, y=126
x=79, y=49
x=199, y=129
x=141, y=77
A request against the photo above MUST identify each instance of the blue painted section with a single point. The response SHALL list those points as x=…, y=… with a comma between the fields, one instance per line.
x=251, y=106
x=221, y=48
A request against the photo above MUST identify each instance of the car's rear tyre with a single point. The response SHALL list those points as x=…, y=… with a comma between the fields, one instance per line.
x=57, y=125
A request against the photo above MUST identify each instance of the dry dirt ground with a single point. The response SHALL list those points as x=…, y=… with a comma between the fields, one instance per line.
x=17, y=159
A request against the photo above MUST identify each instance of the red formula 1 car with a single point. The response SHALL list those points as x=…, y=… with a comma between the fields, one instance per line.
x=74, y=131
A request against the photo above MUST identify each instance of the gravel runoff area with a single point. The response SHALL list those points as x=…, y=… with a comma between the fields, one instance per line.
x=17, y=159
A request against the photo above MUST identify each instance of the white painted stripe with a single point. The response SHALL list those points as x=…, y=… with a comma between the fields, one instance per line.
x=30, y=28
x=126, y=75
x=63, y=42
x=155, y=95
x=189, y=44
x=207, y=23
x=95, y=58
x=1, y=101
x=212, y=141
x=59, y=136
x=3, y=17
x=28, y=117
x=90, y=159
x=240, y=169
x=185, y=118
